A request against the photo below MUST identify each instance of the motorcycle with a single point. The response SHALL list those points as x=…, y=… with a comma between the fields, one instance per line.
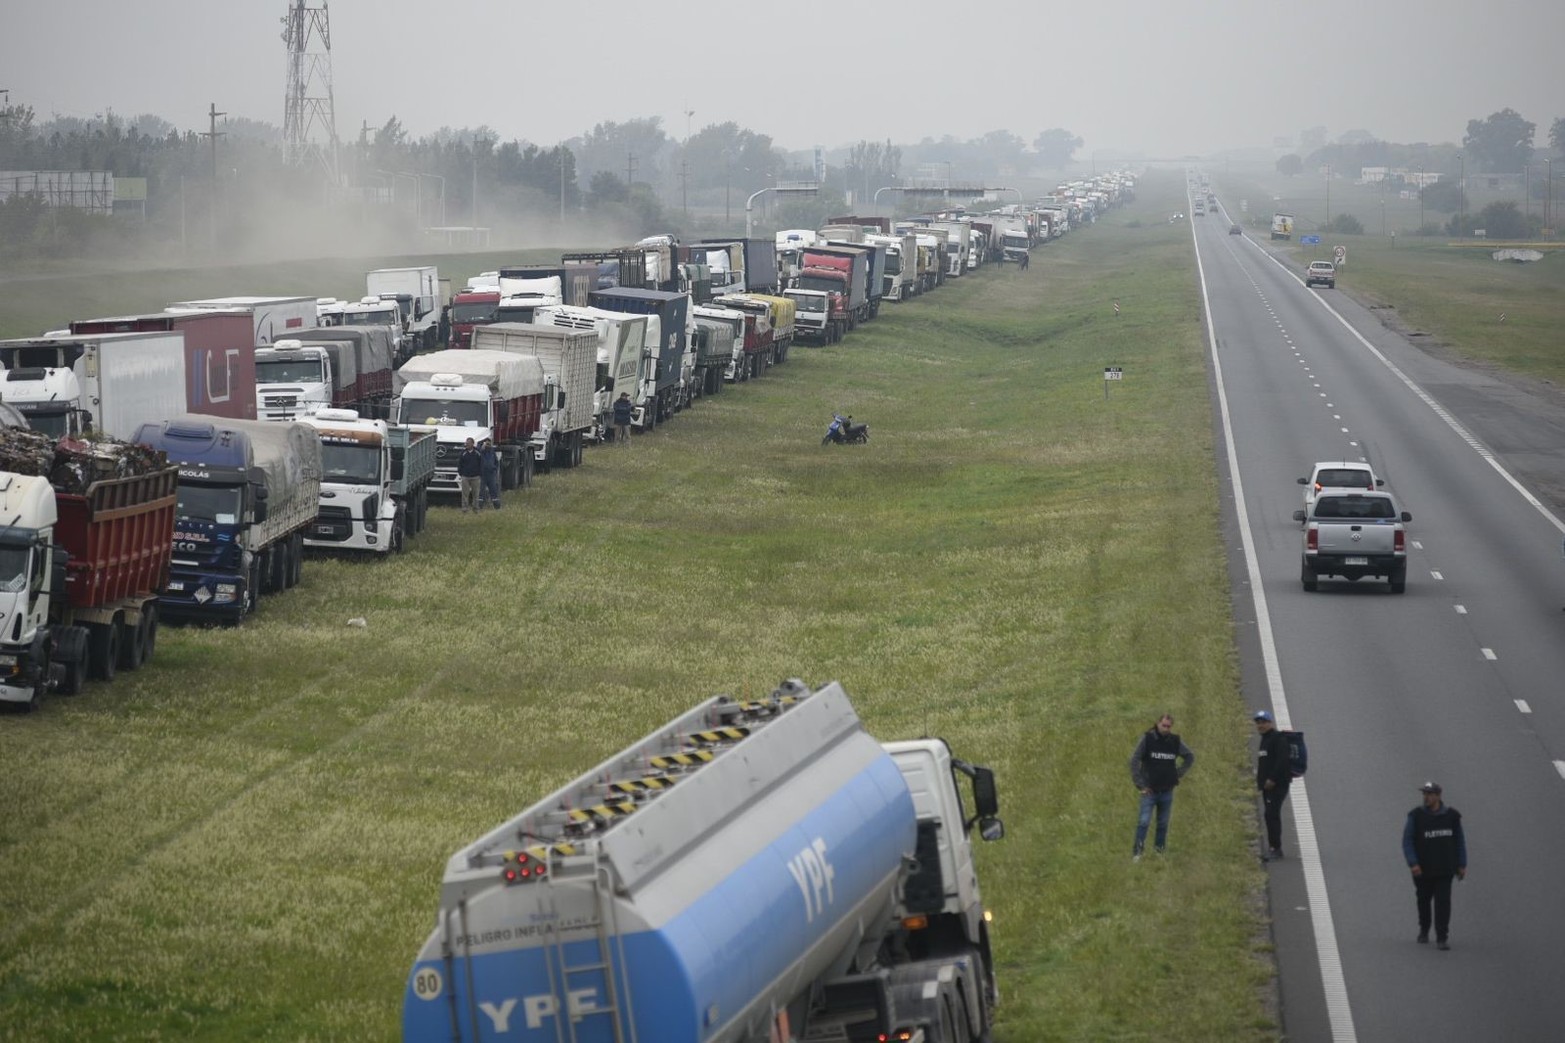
x=844, y=431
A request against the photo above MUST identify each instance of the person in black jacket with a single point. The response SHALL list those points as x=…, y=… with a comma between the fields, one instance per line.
x=1436, y=850
x=1160, y=760
x=624, y=409
x=1273, y=775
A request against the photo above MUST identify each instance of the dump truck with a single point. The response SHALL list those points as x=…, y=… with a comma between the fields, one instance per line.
x=84, y=565
x=248, y=491
x=751, y=872
x=461, y=394
x=374, y=483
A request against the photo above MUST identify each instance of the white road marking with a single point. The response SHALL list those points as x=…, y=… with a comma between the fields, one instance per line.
x=1339, y=1010
x=1488, y=653
x=1559, y=766
x=1521, y=704
x=1435, y=575
x=1461, y=610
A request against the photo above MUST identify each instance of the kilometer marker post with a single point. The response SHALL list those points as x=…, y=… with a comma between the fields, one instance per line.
x=1110, y=374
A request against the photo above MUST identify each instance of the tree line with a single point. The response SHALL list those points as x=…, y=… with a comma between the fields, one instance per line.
x=615, y=181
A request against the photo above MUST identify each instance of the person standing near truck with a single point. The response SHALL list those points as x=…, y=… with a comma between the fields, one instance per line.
x=1436, y=850
x=489, y=474
x=1273, y=775
x=623, y=408
x=469, y=469
x=1160, y=760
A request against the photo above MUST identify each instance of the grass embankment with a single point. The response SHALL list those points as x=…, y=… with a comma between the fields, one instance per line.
x=246, y=839
x=1454, y=295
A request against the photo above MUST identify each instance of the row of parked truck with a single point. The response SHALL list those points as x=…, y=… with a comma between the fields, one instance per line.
x=291, y=423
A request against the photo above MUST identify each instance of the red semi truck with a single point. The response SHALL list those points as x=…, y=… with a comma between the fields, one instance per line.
x=219, y=355
x=96, y=612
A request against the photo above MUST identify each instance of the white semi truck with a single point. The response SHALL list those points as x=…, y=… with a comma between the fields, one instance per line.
x=416, y=290
x=751, y=872
x=374, y=483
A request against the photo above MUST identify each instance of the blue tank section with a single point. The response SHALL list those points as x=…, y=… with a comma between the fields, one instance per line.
x=706, y=948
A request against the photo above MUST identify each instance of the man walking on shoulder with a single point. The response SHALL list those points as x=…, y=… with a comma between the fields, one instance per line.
x=1160, y=760
x=1436, y=850
x=469, y=469
x=1273, y=775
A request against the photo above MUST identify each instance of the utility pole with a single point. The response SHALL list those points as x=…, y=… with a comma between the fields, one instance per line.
x=1328, y=197
x=562, y=184
x=213, y=134
x=630, y=173
x=684, y=186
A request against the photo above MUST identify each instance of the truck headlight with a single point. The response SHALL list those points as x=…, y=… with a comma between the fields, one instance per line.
x=372, y=507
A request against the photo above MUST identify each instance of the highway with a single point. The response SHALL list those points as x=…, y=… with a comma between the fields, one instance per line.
x=1458, y=680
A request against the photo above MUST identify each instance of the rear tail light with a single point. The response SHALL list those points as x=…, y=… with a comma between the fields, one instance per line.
x=1400, y=542
x=1312, y=540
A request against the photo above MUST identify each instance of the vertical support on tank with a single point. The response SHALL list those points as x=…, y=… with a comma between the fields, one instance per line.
x=467, y=967
x=450, y=960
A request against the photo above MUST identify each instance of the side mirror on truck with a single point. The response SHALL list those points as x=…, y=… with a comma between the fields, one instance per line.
x=260, y=503
x=1298, y=516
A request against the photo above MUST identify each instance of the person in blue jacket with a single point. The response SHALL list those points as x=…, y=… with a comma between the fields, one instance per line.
x=489, y=474
x=1436, y=850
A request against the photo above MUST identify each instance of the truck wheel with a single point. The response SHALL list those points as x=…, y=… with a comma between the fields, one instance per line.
x=280, y=567
x=1399, y=581
x=295, y=559
x=576, y=448
x=149, y=619
x=133, y=645
x=399, y=534
x=103, y=650
x=1307, y=577
x=71, y=652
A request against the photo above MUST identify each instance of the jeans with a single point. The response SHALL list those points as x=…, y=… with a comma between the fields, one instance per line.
x=489, y=488
x=1436, y=890
x=1164, y=803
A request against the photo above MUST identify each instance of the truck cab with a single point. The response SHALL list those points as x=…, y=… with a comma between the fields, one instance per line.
x=292, y=380
x=357, y=510
x=48, y=397
x=27, y=584
x=813, y=317
x=472, y=308
x=375, y=311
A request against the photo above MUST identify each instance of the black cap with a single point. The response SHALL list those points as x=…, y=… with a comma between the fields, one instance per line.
x=1431, y=787
x=1263, y=715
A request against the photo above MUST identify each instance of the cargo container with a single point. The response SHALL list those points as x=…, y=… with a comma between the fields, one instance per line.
x=219, y=355
x=111, y=383
x=271, y=317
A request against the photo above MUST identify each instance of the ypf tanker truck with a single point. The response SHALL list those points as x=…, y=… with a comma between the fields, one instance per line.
x=758, y=872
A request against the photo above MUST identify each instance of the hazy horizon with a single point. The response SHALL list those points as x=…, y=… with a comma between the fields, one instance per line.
x=1139, y=77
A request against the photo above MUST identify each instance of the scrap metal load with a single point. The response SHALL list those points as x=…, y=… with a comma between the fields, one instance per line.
x=72, y=464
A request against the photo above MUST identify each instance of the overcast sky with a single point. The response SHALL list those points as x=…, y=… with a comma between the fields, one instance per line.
x=1151, y=75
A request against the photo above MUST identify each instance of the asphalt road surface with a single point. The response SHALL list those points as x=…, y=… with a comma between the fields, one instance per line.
x=1460, y=680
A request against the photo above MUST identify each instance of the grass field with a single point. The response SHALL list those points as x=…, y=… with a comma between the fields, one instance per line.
x=245, y=840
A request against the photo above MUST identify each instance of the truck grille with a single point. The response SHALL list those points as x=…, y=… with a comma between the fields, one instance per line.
x=333, y=523
x=280, y=401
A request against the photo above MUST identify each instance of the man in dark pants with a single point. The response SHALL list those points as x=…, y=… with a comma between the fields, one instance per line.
x=1436, y=850
x=1159, y=761
x=1273, y=775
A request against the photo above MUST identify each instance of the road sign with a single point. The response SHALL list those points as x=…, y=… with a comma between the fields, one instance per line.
x=1113, y=373
x=1340, y=253
x=1309, y=240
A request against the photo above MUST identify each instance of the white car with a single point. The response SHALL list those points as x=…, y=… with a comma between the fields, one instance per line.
x=1337, y=474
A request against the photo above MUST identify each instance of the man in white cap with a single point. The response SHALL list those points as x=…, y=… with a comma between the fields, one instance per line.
x=1436, y=850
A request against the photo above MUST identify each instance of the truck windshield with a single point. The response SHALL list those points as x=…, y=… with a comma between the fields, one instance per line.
x=482, y=311
x=445, y=412
x=812, y=282
x=515, y=313
x=13, y=568
x=55, y=425
x=810, y=303
x=288, y=371
x=387, y=317
x=350, y=464
x=210, y=503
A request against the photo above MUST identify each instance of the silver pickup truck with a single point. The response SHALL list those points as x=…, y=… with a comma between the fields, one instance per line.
x=1354, y=534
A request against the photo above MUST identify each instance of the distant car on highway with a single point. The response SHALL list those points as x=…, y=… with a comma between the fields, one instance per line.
x=1321, y=272
x=1338, y=474
x=1235, y=230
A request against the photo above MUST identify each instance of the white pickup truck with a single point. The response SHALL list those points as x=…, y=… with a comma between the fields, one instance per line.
x=1354, y=534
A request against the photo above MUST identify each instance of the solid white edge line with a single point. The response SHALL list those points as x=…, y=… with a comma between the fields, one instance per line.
x=1338, y=1010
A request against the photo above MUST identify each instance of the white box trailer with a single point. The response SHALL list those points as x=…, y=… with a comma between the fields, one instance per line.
x=417, y=291
x=121, y=380
x=274, y=317
x=570, y=366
